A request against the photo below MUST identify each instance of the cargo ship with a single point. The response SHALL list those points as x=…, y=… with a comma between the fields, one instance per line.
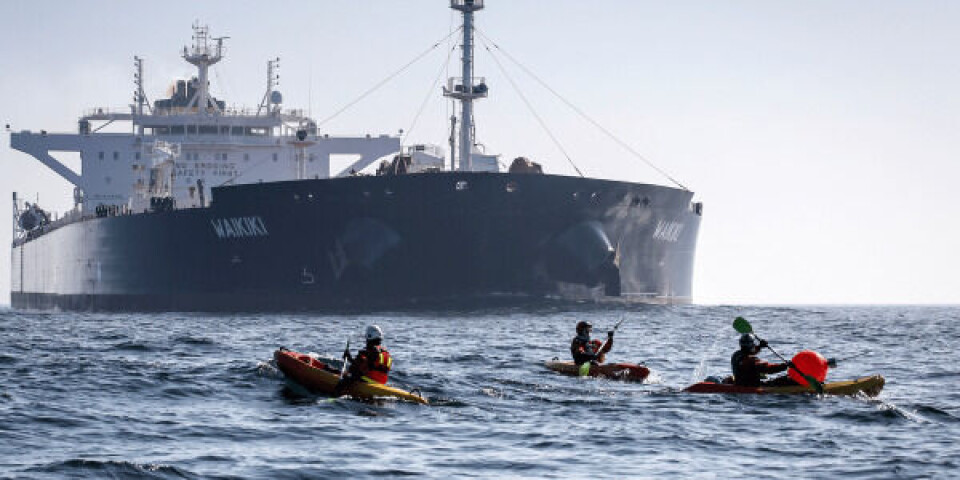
x=202, y=207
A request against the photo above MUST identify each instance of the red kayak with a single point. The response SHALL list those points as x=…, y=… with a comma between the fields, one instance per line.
x=629, y=372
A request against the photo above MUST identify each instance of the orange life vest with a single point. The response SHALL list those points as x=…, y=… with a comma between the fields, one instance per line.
x=381, y=367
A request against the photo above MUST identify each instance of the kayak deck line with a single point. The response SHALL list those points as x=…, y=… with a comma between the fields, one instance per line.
x=869, y=386
x=318, y=377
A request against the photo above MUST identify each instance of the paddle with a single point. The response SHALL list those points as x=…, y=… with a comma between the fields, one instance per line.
x=741, y=325
x=346, y=352
x=615, y=327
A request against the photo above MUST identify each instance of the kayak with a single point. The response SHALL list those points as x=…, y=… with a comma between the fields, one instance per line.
x=318, y=377
x=629, y=372
x=869, y=386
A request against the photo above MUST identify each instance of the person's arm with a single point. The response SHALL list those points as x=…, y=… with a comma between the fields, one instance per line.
x=606, y=348
x=765, y=367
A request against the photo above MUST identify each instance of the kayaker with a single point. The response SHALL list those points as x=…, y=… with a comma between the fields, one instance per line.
x=749, y=371
x=372, y=363
x=586, y=351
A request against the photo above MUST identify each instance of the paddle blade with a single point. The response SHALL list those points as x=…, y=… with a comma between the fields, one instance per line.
x=741, y=325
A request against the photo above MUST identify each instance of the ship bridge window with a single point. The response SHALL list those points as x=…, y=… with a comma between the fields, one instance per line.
x=224, y=130
x=176, y=130
x=208, y=130
x=191, y=129
x=257, y=131
x=236, y=131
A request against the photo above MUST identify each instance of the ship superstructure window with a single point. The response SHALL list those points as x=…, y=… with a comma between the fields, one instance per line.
x=116, y=155
x=100, y=155
x=223, y=156
x=136, y=155
x=275, y=157
x=246, y=157
x=236, y=131
x=207, y=130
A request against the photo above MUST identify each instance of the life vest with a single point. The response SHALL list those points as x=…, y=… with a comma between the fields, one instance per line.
x=381, y=367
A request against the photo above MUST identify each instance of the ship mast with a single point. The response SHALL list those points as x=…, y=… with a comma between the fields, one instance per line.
x=203, y=55
x=466, y=88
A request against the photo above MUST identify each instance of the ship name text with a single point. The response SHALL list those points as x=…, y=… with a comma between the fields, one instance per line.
x=668, y=231
x=239, y=227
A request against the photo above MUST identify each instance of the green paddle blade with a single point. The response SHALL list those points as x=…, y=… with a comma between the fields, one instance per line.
x=741, y=325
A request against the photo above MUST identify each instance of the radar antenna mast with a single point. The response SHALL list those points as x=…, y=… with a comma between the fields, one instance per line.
x=203, y=56
x=467, y=87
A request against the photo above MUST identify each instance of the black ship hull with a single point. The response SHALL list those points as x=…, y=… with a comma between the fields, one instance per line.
x=371, y=242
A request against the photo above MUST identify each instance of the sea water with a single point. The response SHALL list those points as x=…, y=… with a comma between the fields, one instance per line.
x=179, y=395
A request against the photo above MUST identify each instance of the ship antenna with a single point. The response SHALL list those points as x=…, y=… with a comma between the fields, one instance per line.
x=138, y=96
x=466, y=88
x=203, y=55
x=273, y=78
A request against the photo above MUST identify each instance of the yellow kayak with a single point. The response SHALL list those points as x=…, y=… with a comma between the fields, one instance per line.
x=870, y=386
x=318, y=377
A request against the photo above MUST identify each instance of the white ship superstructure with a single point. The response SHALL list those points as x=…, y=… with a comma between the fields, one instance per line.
x=215, y=145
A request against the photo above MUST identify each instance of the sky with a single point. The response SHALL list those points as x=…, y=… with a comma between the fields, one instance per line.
x=821, y=136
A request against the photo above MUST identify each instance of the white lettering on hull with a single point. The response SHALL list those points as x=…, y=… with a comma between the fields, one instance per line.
x=668, y=231
x=239, y=227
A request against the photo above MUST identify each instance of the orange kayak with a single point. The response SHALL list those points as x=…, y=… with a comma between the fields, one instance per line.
x=318, y=377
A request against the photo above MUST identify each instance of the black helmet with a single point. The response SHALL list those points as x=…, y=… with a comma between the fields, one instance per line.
x=584, y=326
x=747, y=342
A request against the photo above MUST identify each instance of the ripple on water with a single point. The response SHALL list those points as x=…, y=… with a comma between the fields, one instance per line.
x=97, y=469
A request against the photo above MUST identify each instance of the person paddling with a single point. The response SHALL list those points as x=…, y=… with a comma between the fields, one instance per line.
x=588, y=352
x=371, y=365
x=749, y=371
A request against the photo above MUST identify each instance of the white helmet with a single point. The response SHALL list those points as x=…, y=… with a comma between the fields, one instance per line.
x=374, y=333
